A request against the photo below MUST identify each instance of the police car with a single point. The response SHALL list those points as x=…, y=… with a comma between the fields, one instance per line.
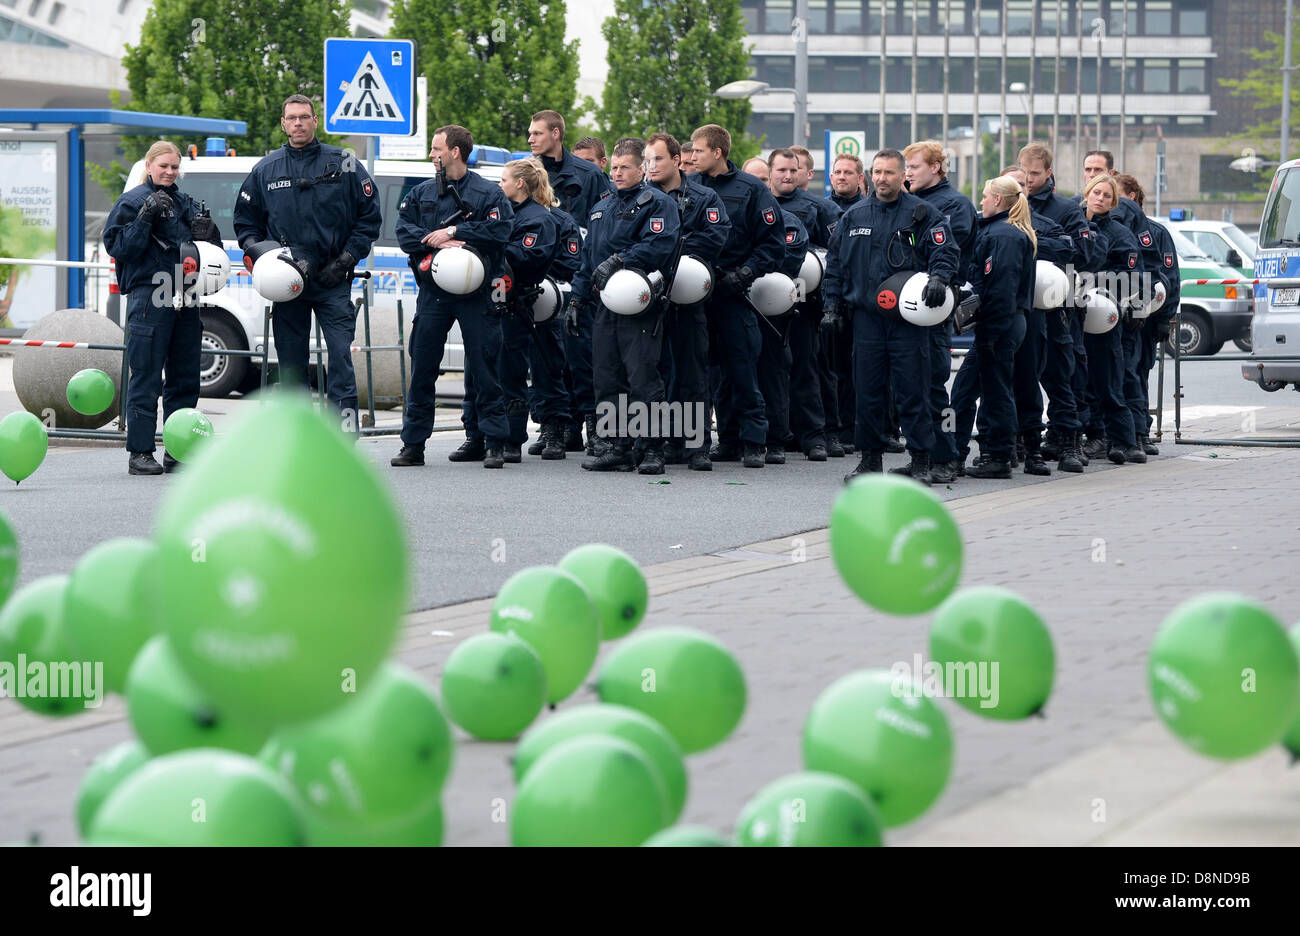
x=1276, y=326
x=1223, y=242
x=235, y=317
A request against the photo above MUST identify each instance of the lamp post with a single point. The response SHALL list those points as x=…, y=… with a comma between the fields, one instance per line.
x=1018, y=88
x=748, y=87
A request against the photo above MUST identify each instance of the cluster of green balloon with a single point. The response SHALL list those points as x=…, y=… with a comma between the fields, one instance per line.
x=493, y=686
x=104, y=776
x=1224, y=676
x=996, y=652
x=186, y=432
x=809, y=809
x=551, y=611
x=91, y=391
x=895, y=544
x=8, y=559
x=108, y=606
x=1291, y=740
x=23, y=443
x=50, y=677
x=873, y=729
x=614, y=582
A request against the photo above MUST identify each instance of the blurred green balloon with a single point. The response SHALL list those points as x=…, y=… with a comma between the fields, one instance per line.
x=895, y=544
x=370, y=764
x=809, y=809
x=283, y=567
x=108, y=609
x=551, y=612
x=38, y=665
x=23, y=443
x=203, y=797
x=422, y=828
x=1224, y=676
x=591, y=790
x=493, y=686
x=1291, y=740
x=105, y=773
x=186, y=432
x=996, y=652
x=171, y=713
x=615, y=583
x=870, y=728
x=683, y=679
x=91, y=391
x=618, y=721
x=8, y=559
x=686, y=836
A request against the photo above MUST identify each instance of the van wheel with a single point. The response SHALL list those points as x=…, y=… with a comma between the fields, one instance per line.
x=1243, y=343
x=220, y=375
x=1272, y=386
x=1195, y=336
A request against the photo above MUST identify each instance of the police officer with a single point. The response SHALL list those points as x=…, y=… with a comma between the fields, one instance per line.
x=549, y=343
x=774, y=357
x=847, y=186
x=927, y=179
x=888, y=232
x=755, y=247
x=592, y=149
x=636, y=227
x=144, y=233
x=319, y=201
x=846, y=181
x=456, y=208
x=704, y=231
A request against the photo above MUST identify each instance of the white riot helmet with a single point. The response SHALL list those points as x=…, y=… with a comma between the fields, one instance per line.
x=913, y=308
x=772, y=294
x=630, y=292
x=693, y=281
x=812, y=270
x=456, y=270
x=548, y=302
x=1051, y=286
x=276, y=278
x=1148, y=308
x=1102, y=314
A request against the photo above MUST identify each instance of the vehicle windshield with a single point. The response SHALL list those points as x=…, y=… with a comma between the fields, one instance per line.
x=1186, y=249
x=1241, y=240
x=1281, y=224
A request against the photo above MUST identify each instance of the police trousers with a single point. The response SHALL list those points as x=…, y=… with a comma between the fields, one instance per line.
x=162, y=350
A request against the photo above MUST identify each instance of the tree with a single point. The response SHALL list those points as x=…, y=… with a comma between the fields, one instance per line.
x=665, y=60
x=1263, y=85
x=491, y=64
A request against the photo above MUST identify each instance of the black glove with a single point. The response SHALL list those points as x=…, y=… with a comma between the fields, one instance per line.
x=158, y=203
x=737, y=282
x=935, y=291
x=203, y=228
x=571, y=313
x=831, y=320
x=607, y=268
x=305, y=268
x=336, y=271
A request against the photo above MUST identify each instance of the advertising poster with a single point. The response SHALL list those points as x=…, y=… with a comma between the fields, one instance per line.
x=29, y=222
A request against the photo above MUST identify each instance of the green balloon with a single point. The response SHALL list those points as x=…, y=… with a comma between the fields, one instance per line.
x=203, y=797
x=686, y=680
x=493, y=686
x=615, y=583
x=421, y=828
x=8, y=559
x=895, y=544
x=108, y=609
x=171, y=713
x=23, y=443
x=283, y=567
x=1224, y=676
x=995, y=651
x=91, y=391
x=618, y=721
x=871, y=729
x=108, y=770
x=186, y=432
x=370, y=764
x=809, y=809
x=551, y=612
x=592, y=790
x=1291, y=740
x=686, y=836
x=38, y=665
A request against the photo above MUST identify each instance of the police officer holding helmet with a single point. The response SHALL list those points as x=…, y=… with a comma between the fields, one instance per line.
x=321, y=203
x=144, y=233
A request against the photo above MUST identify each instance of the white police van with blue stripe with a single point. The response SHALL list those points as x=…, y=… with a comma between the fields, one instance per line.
x=1275, y=327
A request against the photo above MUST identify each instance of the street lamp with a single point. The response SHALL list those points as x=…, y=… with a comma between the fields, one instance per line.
x=749, y=87
x=1249, y=162
x=1018, y=88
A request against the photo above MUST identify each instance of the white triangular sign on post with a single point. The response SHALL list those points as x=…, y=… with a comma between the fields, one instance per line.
x=368, y=97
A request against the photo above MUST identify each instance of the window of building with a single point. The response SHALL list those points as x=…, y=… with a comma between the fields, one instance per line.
x=848, y=17
x=926, y=23
x=11, y=31
x=957, y=17
x=778, y=16
x=1191, y=76
x=990, y=18
x=1089, y=10
x=750, y=10
x=1115, y=22
x=1020, y=14
x=990, y=75
x=1158, y=18
x=819, y=17
x=848, y=74
x=1017, y=70
x=778, y=70
x=1156, y=76
x=55, y=12
x=1193, y=18
x=35, y=7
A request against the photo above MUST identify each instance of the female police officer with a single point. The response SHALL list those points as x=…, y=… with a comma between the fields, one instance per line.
x=144, y=233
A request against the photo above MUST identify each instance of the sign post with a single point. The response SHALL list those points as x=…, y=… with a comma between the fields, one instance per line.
x=370, y=86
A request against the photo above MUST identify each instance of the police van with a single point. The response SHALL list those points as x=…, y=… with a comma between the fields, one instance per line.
x=235, y=318
x=1276, y=325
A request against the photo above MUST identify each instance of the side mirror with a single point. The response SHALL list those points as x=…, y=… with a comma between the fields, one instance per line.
x=1233, y=259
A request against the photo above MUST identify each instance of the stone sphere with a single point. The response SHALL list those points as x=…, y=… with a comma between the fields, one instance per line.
x=41, y=375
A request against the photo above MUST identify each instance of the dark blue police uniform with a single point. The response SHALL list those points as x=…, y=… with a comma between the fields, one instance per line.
x=837, y=350
x=1154, y=330
x=1110, y=416
x=774, y=357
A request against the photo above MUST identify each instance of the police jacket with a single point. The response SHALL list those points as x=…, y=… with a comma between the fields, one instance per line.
x=578, y=184
x=796, y=244
x=1054, y=245
x=958, y=211
x=567, y=260
x=1002, y=273
x=875, y=239
x=531, y=246
x=307, y=199
x=756, y=237
x=1168, y=273
x=845, y=202
x=704, y=222
x=1130, y=213
x=1122, y=259
x=433, y=205
x=1068, y=214
x=817, y=215
x=640, y=224
x=142, y=249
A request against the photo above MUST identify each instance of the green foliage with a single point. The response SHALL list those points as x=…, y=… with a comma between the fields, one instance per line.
x=665, y=60
x=492, y=64
x=1262, y=86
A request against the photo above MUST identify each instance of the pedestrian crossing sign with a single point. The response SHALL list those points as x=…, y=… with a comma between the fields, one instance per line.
x=370, y=86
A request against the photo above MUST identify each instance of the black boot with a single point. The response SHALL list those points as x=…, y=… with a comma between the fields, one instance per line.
x=870, y=464
x=1019, y=455
x=1148, y=448
x=1051, y=445
x=817, y=452
x=775, y=453
x=700, y=461
x=1034, y=462
x=535, y=447
x=895, y=446
x=613, y=458
x=1117, y=455
x=553, y=447
x=1096, y=446
x=142, y=463
x=1135, y=455
x=1070, y=460
x=495, y=456
x=512, y=454
x=988, y=468
x=1076, y=446
x=169, y=464
x=943, y=472
x=573, y=437
x=470, y=450
x=918, y=469
x=410, y=456
x=590, y=449
x=834, y=448
x=755, y=456
x=652, y=462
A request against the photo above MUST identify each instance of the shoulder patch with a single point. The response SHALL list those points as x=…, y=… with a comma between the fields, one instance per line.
x=713, y=215
x=1169, y=260
x=596, y=214
x=494, y=214
x=1145, y=238
x=530, y=239
x=769, y=215
x=1086, y=232
x=573, y=246
x=368, y=187
x=789, y=237
x=830, y=228
x=1132, y=260
x=937, y=235
x=988, y=266
x=657, y=225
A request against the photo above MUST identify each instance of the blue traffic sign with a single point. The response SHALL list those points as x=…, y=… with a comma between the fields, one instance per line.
x=370, y=86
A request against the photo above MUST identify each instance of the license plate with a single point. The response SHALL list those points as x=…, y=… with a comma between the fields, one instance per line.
x=1286, y=297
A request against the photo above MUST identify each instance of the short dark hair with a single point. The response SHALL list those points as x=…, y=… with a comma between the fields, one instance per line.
x=715, y=137
x=785, y=153
x=458, y=138
x=597, y=146
x=1104, y=154
x=856, y=160
x=1128, y=183
x=630, y=146
x=298, y=99
x=552, y=119
x=890, y=154
x=668, y=140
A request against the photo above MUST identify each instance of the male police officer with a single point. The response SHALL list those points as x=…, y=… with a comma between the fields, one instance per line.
x=846, y=181
x=592, y=149
x=456, y=208
x=889, y=232
x=321, y=203
x=755, y=247
x=636, y=228
x=847, y=187
x=704, y=231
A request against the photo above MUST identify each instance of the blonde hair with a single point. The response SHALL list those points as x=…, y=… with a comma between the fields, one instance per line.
x=1008, y=189
x=1105, y=179
x=160, y=147
x=531, y=172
